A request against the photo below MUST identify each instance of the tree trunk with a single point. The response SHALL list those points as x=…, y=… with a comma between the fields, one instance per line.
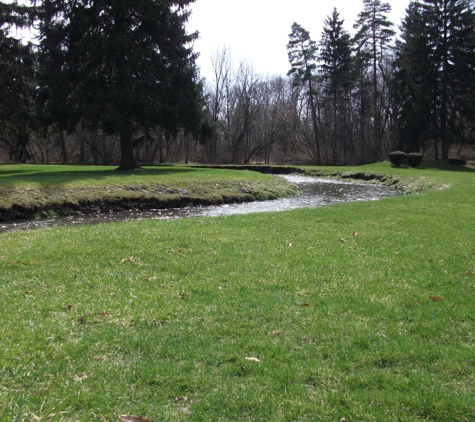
x=444, y=144
x=82, y=151
x=376, y=144
x=187, y=148
x=161, y=158
x=64, y=154
x=315, y=126
x=127, y=160
x=334, y=140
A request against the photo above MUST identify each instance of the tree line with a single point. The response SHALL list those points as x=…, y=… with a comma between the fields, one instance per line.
x=115, y=82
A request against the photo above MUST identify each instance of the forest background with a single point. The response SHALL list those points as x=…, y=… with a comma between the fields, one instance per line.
x=116, y=82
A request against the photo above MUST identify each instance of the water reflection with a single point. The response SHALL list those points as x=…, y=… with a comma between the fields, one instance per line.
x=315, y=193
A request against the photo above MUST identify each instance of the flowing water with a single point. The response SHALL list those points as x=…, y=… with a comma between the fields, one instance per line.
x=315, y=193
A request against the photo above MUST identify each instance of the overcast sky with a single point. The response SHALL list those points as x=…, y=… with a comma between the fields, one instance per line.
x=257, y=31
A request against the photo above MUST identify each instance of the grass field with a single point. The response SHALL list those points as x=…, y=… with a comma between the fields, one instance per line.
x=350, y=312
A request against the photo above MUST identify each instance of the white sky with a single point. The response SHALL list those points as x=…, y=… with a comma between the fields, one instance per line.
x=257, y=31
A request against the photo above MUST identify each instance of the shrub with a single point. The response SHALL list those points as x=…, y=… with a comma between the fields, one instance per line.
x=397, y=158
x=456, y=162
x=414, y=159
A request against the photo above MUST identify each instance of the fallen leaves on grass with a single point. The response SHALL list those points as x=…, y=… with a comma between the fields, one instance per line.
x=468, y=273
x=130, y=259
x=354, y=234
x=253, y=359
x=104, y=313
x=30, y=292
x=436, y=298
x=131, y=418
x=80, y=377
x=343, y=240
x=305, y=304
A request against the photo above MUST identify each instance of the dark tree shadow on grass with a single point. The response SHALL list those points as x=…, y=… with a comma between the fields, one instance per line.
x=58, y=178
x=443, y=166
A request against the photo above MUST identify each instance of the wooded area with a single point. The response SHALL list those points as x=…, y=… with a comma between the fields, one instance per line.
x=115, y=82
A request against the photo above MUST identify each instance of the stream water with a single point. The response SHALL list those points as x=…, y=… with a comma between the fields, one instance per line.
x=315, y=193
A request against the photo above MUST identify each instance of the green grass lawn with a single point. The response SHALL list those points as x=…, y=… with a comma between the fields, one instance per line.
x=350, y=312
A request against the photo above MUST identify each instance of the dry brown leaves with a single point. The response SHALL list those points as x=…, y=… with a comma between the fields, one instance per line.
x=131, y=418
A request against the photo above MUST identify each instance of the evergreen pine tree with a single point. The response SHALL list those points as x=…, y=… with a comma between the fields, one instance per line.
x=436, y=74
x=120, y=66
x=451, y=38
x=17, y=70
x=373, y=37
x=302, y=54
x=414, y=82
x=336, y=70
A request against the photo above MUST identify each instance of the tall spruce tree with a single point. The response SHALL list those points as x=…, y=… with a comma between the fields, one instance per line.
x=436, y=74
x=336, y=70
x=414, y=83
x=373, y=38
x=17, y=71
x=120, y=66
x=302, y=54
x=451, y=38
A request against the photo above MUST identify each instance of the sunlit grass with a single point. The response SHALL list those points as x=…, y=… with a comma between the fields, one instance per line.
x=359, y=311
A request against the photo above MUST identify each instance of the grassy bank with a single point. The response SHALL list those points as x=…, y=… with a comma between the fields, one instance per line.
x=355, y=312
x=28, y=191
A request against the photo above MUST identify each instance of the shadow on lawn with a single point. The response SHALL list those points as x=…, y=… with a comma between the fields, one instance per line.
x=443, y=166
x=38, y=174
x=439, y=166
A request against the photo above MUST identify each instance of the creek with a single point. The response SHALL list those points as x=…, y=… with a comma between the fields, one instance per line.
x=316, y=192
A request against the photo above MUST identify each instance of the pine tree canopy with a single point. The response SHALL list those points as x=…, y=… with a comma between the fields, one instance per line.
x=121, y=66
x=17, y=69
x=436, y=73
x=374, y=33
x=302, y=54
x=335, y=54
x=374, y=28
